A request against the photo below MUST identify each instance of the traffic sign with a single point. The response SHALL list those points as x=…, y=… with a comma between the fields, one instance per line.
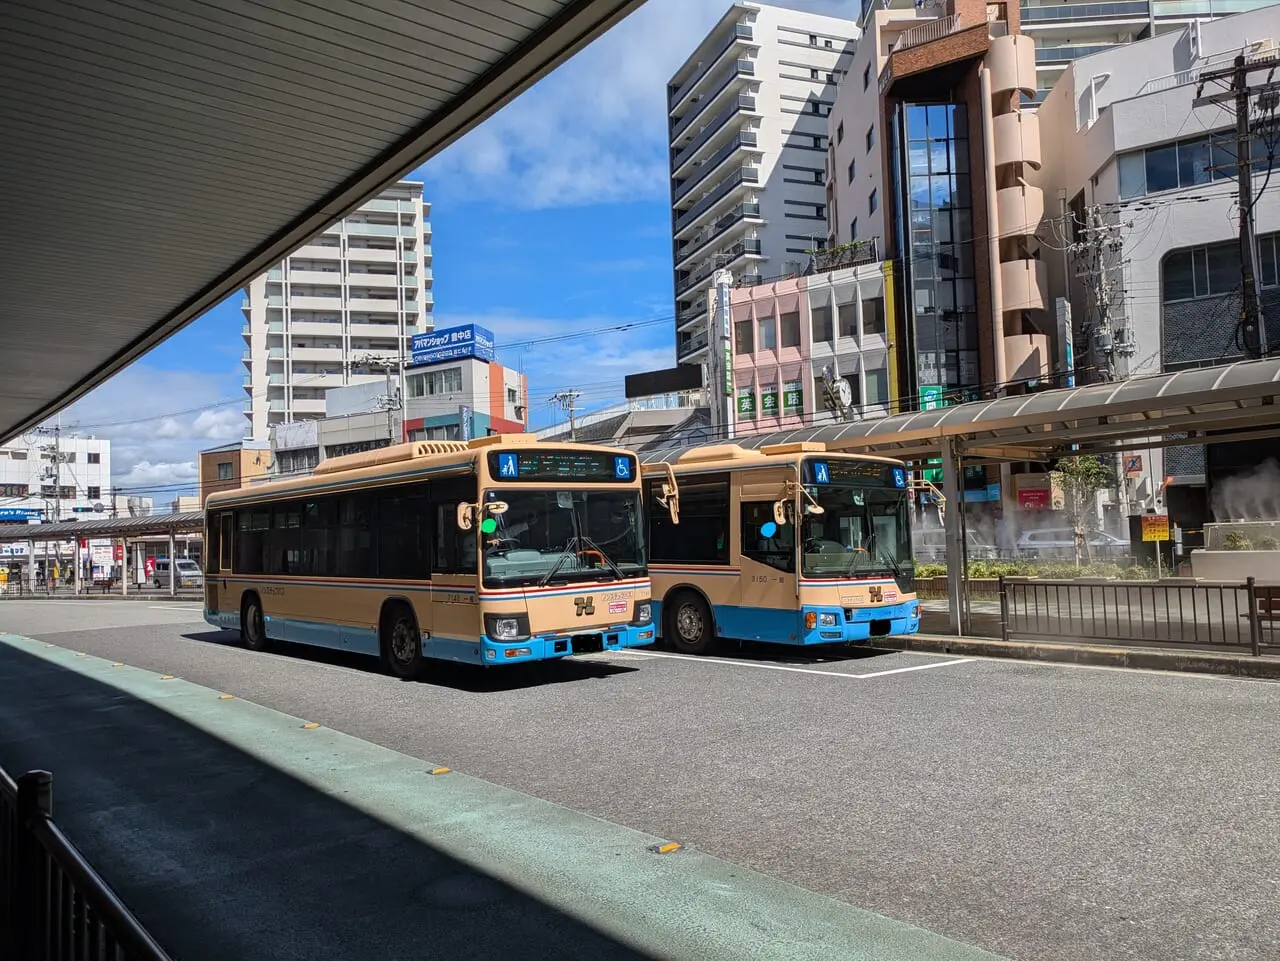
x=1155, y=527
x=1133, y=465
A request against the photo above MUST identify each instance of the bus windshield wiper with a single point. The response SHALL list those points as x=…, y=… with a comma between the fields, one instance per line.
x=592, y=545
x=555, y=568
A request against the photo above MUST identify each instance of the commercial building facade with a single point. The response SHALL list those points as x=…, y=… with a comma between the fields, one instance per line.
x=232, y=466
x=47, y=477
x=747, y=135
x=359, y=290
x=1125, y=147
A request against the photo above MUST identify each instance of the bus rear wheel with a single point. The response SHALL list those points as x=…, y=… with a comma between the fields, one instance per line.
x=689, y=627
x=401, y=644
x=253, y=627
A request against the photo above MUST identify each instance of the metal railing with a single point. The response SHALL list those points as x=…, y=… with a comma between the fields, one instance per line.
x=53, y=904
x=927, y=32
x=1177, y=613
x=1065, y=12
x=739, y=68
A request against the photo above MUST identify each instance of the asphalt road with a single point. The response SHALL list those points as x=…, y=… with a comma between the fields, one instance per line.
x=1045, y=813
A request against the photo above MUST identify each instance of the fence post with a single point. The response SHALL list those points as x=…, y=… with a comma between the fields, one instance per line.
x=1255, y=621
x=35, y=803
x=1004, y=611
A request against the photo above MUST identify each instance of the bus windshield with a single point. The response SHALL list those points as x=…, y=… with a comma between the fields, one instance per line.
x=549, y=536
x=860, y=531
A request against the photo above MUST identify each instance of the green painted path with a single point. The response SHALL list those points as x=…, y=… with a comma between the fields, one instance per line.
x=680, y=905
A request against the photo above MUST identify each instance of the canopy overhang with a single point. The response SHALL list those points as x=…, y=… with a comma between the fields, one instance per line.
x=156, y=157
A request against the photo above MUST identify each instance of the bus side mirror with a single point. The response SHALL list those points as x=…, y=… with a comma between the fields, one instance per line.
x=670, y=498
x=465, y=515
x=780, y=512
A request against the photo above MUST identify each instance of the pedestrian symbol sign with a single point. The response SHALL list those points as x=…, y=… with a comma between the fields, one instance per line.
x=622, y=468
x=508, y=466
x=821, y=473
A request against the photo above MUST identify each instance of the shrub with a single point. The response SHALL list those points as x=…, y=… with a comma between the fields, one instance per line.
x=1236, y=541
x=1267, y=544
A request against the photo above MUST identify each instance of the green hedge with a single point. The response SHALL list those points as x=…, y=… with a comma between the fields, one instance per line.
x=992, y=569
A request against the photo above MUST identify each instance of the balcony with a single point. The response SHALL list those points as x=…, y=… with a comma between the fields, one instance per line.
x=275, y=274
x=689, y=348
x=317, y=252
x=372, y=280
x=738, y=69
x=746, y=139
x=324, y=278
x=317, y=353
x=847, y=255
x=248, y=381
x=1019, y=210
x=375, y=331
x=745, y=102
x=314, y=328
x=741, y=34
x=312, y=302
x=743, y=248
x=1027, y=357
x=1060, y=56
x=1023, y=283
x=356, y=229
x=275, y=327
x=245, y=330
x=1012, y=61
x=690, y=248
x=744, y=175
x=246, y=304
x=1064, y=13
x=374, y=255
x=368, y=305
x=1017, y=139
x=275, y=353
x=691, y=314
x=926, y=33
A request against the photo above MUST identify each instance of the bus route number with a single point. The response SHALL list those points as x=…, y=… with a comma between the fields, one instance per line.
x=458, y=599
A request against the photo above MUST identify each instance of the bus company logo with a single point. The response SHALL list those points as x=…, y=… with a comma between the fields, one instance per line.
x=877, y=594
x=618, y=607
x=584, y=605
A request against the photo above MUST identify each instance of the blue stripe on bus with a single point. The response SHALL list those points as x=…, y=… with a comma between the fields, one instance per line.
x=773, y=625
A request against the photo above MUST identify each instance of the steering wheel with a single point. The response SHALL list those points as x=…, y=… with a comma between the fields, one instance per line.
x=501, y=545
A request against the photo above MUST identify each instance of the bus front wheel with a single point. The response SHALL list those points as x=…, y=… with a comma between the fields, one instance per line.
x=689, y=627
x=253, y=628
x=401, y=644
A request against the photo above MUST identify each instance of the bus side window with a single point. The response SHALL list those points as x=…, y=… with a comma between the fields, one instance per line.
x=226, y=541
x=702, y=536
x=453, y=550
x=778, y=549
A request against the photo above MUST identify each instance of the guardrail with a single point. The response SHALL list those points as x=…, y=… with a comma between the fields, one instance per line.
x=53, y=905
x=1174, y=612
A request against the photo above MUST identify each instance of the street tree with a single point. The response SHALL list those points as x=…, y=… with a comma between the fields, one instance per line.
x=1080, y=479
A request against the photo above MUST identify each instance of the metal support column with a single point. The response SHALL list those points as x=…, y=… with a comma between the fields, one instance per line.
x=173, y=563
x=953, y=527
x=124, y=567
x=29, y=572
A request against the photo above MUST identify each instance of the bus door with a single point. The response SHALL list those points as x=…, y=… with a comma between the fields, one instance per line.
x=767, y=551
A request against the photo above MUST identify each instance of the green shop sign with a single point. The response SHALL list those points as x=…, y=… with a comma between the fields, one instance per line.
x=746, y=403
x=769, y=400
x=792, y=396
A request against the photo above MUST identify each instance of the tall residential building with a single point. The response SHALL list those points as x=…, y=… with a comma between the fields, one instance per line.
x=359, y=290
x=748, y=137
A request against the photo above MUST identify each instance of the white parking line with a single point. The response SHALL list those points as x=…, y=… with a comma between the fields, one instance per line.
x=793, y=670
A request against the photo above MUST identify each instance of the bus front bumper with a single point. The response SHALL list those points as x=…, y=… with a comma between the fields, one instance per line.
x=551, y=646
x=836, y=625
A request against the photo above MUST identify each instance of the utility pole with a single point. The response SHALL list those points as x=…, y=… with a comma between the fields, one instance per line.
x=1099, y=254
x=393, y=401
x=54, y=470
x=566, y=399
x=1236, y=93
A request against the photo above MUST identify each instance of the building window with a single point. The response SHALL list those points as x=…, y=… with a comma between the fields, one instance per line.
x=742, y=343
x=873, y=202
x=873, y=315
x=813, y=73
x=93, y=493
x=853, y=170
x=821, y=322
x=866, y=77
x=840, y=133
x=94, y=457
x=13, y=490
x=847, y=314
x=768, y=334
x=513, y=397
x=448, y=381
x=853, y=229
x=820, y=210
x=817, y=143
x=225, y=471
x=813, y=40
x=871, y=137
x=790, y=324
x=1214, y=270
x=1192, y=162
x=878, y=386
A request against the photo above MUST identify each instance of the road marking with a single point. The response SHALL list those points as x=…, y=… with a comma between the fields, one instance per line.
x=793, y=670
x=174, y=607
x=918, y=667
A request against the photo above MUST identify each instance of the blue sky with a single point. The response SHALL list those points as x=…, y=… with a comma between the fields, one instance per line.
x=551, y=217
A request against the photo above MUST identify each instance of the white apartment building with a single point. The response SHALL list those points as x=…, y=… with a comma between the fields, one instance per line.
x=359, y=289
x=748, y=138
x=46, y=476
x=1119, y=131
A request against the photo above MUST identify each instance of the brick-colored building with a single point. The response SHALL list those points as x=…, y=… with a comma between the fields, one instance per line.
x=233, y=465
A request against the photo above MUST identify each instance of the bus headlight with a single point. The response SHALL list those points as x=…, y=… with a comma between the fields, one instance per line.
x=826, y=620
x=643, y=612
x=507, y=627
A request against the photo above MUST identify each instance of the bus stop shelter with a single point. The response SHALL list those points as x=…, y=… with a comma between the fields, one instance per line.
x=1234, y=402
x=121, y=531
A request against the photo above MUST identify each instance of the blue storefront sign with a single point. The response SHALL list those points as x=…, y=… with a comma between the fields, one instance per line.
x=453, y=343
x=19, y=515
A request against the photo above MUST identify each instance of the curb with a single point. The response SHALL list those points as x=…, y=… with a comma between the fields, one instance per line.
x=1146, y=659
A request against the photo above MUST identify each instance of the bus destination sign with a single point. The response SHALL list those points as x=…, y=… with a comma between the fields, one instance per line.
x=854, y=473
x=563, y=465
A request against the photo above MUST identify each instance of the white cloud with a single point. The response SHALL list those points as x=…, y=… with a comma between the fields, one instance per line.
x=594, y=131
x=157, y=421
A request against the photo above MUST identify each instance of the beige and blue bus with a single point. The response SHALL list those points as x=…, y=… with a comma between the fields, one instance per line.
x=788, y=544
x=501, y=550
